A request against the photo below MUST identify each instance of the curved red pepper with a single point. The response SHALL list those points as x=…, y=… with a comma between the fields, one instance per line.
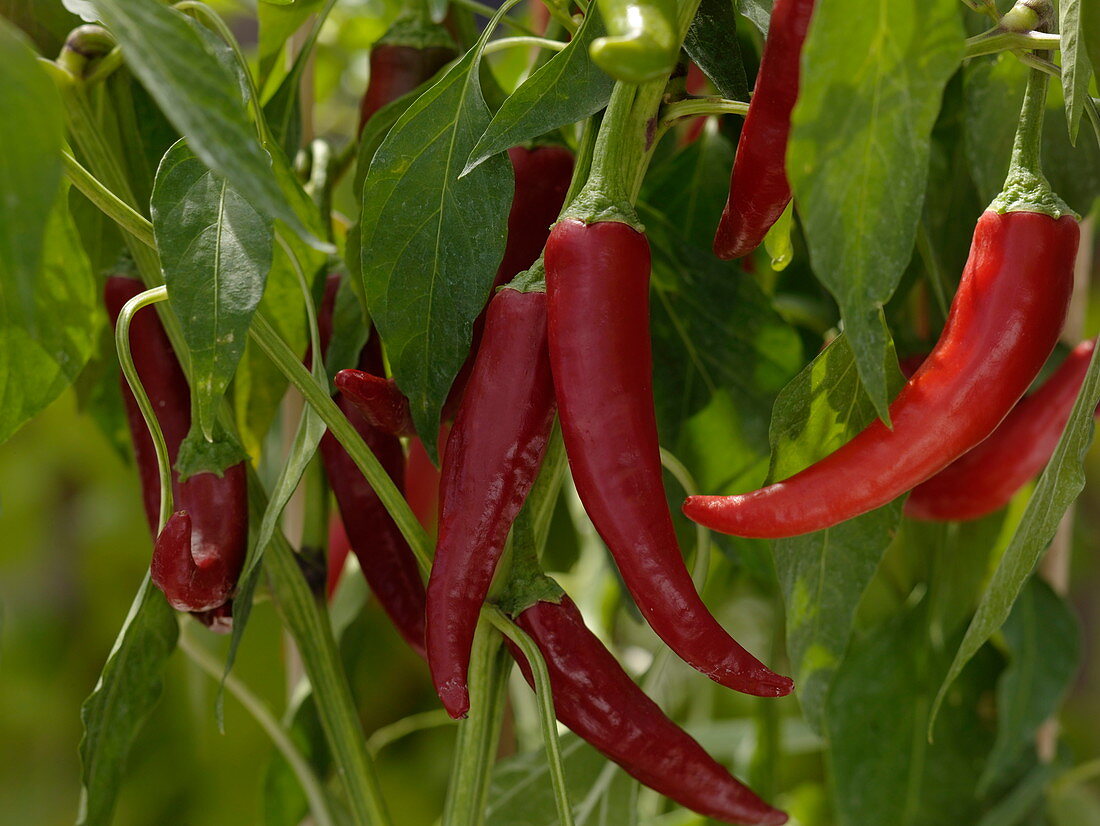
x=986, y=478
x=1004, y=322
x=759, y=190
x=493, y=455
x=597, y=279
x=386, y=559
x=395, y=70
x=198, y=555
x=379, y=399
x=595, y=698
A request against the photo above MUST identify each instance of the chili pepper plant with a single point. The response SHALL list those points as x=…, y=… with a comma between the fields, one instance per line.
x=635, y=412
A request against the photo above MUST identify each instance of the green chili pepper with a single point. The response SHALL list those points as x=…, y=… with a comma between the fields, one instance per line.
x=642, y=42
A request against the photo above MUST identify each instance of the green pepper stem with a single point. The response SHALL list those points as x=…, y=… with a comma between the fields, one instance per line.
x=129, y=371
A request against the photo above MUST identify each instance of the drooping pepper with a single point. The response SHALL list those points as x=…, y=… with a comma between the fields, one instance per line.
x=759, y=190
x=198, y=555
x=492, y=457
x=385, y=557
x=597, y=278
x=596, y=698
x=1004, y=322
x=986, y=478
x=642, y=41
x=407, y=55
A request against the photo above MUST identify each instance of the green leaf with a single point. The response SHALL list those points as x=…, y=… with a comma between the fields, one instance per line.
x=1043, y=644
x=858, y=153
x=758, y=12
x=883, y=768
x=128, y=689
x=778, y=243
x=567, y=88
x=823, y=574
x=431, y=240
x=712, y=43
x=49, y=316
x=1076, y=70
x=1058, y=486
x=277, y=24
x=1021, y=801
x=993, y=89
x=201, y=98
x=601, y=793
x=215, y=250
x=1090, y=32
x=721, y=353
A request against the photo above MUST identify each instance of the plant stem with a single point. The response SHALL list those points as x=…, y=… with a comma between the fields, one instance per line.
x=998, y=40
x=405, y=726
x=479, y=733
x=129, y=220
x=547, y=717
x=309, y=626
x=311, y=786
x=265, y=335
x=129, y=371
x=693, y=107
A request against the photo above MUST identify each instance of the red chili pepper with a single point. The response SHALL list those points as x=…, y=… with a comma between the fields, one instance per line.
x=198, y=555
x=493, y=455
x=386, y=559
x=1004, y=322
x=595, y=698
x=395, y=70
x=986, y=478
x=759, y=190
x=597, y=278
x=379, y=399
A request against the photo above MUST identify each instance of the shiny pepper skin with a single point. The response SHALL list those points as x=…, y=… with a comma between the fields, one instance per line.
x=385, y=558
x=597, y=278
x=198, y=555
x=395, y=70
x=759, y=190
x=1004, y=322
x=493, y=455
x=595, y=698
x=986, y=478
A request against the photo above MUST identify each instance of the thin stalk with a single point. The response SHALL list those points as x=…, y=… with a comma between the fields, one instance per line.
x=405, y=726
x=694, y=107
x=126, y=362
x=269, y=340
x=257, y=708
x=479, y=733
x=134, y=224
x=513, y=42
x=547, y=717
x=998, y=40
x=312, y=633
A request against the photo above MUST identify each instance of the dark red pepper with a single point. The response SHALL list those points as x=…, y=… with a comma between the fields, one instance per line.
x=492, y=457
x=986, y=478
x=387, y=560
x=596, y=698
x=395, y=70
x=1004, y=322
x=759, y=190
x=198, y=555
x=422, y=482
x=597, y=278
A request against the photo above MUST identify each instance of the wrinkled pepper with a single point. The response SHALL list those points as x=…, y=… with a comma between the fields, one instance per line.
x=199, y=553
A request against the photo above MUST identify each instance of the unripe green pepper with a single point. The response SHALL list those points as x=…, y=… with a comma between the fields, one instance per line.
x=642, y=43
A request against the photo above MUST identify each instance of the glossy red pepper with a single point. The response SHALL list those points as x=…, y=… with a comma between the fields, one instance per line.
x=198, y=555
x=493, y=455
x=395, y=70
x=759, y=190
x=597, y=278
x=379, y=399
x=986, y=478
x=1004, y=322
x=386, y=559
x=596, y=698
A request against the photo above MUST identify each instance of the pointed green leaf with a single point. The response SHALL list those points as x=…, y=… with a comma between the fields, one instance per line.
x=1076, y=69
x=215, y=250
x=431, y=240
x=872, y=79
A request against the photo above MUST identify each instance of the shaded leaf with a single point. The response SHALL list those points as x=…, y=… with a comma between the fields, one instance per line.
x=201, y=99
x=859, y=148
x=712, y=43
x=128, y=689
x=1076, y=70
